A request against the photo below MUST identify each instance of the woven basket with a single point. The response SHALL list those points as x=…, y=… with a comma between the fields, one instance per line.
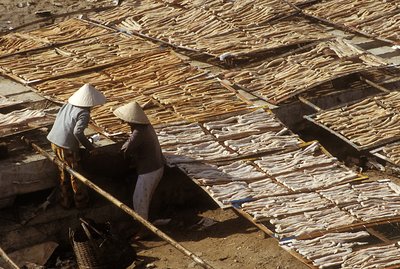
x=90, y=253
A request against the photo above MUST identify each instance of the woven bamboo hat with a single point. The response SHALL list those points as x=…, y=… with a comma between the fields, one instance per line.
x=132, y=113
x=87, y=96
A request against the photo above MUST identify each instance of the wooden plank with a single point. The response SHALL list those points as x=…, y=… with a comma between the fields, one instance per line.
x=379, y=235
x=373, y=84
x=298, y=256
x=258, y=225
x=310, y=104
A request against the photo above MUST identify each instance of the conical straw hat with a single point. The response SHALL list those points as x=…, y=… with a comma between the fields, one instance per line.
x=87, y=96
x=132, y=113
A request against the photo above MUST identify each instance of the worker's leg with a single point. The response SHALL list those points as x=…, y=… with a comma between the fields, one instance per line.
x=81, y=196
x=66, y=194
x=145, y=187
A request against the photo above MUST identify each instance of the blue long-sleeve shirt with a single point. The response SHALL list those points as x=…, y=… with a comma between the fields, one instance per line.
x=68, y=128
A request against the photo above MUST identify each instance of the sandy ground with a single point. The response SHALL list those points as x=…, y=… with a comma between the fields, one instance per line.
x=232, y=242
x=15, y=13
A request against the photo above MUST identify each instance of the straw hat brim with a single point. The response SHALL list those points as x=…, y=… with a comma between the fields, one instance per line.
x=87, y=96
x=132, y=113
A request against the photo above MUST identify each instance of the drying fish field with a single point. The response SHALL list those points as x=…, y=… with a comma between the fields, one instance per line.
x=275, y=117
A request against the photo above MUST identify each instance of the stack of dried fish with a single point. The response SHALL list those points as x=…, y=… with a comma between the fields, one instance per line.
x=387, y=256
x=43, y=65
x=331, y=249
x=194, y=30
x=13, y=43
x=264, y=142
x=367, y=201
x=201, y=99
x=59, y=90
x=126, y=9
x=66, y=31
x=197, y=99
x=367, y=123
x=77, y=56
x=365, y=15
x=109, y=48
x=239, y=190
x=291, y=31
x=385, y=26
x=21, y=120
x=284, y=78
x=305, y=169
x=243, y=14
x=207, y=174
x=312, y=221
x=244, y=124
x=274, y=207
x=210, y=150
x=157, y=71
x=392, y=152
x=181, y=133
x=19, y=117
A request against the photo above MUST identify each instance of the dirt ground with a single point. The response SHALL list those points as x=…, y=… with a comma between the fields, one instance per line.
x=231, y=242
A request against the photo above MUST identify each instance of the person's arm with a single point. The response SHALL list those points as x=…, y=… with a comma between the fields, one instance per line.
x=80, y=126
x=133, y=142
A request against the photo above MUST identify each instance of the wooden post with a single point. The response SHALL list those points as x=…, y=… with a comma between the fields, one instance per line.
x=122, y=206
x=7, y=259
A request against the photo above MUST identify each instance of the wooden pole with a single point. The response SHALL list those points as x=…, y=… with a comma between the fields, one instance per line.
x=122, y=206
x=7, y=259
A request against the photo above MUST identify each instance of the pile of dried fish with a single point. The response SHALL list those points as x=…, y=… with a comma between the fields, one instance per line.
x=109, y=48
x=387, y=256
x=294, y=30
x=274, y=207
x=242, y=14
x=264, y=142
x=77, y=56
x=42, y=65
x=200, y=99
x=378, y=18
x=367, y=123
x=181, y=133
x=66, y=31
x=239, y=190
x=384, y=26
x=392, y=152
x=194, y=30
x=244, y=124
x=331, y=249
x=367, y=201
x=157, y=71
x=283, y=78
x=126, y=9
x=210, y=150
x=351, y=13
x=311, y=221
x=19, y=117
x=13, y=43
x=206, y=173
x=305, y=169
